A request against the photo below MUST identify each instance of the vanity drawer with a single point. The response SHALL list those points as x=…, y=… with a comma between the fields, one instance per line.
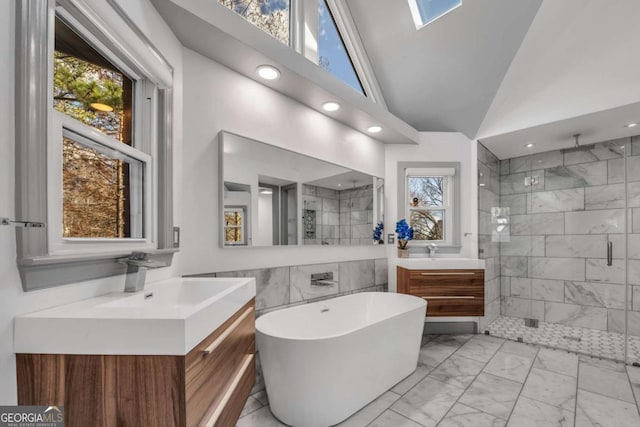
x=448, y=292
x=227, y=411
x=212, y=365
x=444, y=276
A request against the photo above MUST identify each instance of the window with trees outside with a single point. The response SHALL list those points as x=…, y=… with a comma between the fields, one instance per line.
x=271, y=16
x=93, y=143
x=103, y=174
x=234, y=226
x=316, y=29
x=429, y=204
x=427, y=209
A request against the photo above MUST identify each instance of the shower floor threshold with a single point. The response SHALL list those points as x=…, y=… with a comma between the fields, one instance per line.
x=591, y=342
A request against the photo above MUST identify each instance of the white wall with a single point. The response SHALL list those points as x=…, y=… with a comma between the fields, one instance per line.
x=225, y=100
x=435, y=147
x=579, y=57
x=13, y=301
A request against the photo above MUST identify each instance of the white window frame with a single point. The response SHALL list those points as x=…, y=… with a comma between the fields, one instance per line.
x=44, y=257
x=64, y=125
x=447, y=196
x=144, y=142
x=451, y=170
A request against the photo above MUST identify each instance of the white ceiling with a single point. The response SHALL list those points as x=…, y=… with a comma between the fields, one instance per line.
x=579, y=58
x=344, y=181
x=444, y=76
x=595, y=127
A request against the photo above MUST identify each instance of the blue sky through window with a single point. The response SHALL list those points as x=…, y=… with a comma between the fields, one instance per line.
x=270, y=6
x=332, y=54
x=433, y=9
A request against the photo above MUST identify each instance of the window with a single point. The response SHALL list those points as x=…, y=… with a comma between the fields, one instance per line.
x=332, y=54
x=428, y=205
x=102, y=186
x=322, y=31
x=93, y=143
x=271, y=16
x=426, y=11
x=96, y=160
x=89, y=88
x=431, y=194
x=234, y=226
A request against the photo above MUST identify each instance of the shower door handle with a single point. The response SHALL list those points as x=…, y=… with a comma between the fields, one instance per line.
x=609, y=253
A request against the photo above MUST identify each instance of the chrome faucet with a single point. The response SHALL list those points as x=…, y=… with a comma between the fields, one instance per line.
x=432, y=248
x=137, y=265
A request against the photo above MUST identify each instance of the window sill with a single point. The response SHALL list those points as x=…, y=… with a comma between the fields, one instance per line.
x=442, y=249
x=49, y=271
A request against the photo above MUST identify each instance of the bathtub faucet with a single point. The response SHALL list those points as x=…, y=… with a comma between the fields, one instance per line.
x=137, y=265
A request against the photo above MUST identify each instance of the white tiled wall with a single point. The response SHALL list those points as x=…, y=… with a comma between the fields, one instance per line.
x=280, y=287
x=554, y=265
x=343, y=217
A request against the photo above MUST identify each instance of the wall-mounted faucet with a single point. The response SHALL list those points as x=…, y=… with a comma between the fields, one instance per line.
x=432, y=248
x=137, y=265
x=323, y=279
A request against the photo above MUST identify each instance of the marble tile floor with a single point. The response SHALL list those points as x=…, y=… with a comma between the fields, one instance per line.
x=593, y=342
x=480, y=380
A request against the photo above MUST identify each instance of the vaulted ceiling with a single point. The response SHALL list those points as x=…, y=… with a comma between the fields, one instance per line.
x=443, y=76
x=506, y=71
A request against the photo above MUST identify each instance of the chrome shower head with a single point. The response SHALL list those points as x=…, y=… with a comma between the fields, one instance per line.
x=577, y=147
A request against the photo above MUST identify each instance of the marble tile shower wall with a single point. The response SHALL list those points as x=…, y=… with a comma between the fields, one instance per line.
x=488, y=197
x=279, y=287
x=356, y=215
x=342, y=217
x=554, y=266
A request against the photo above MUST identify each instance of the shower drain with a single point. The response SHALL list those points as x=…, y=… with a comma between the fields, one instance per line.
x=568, y=337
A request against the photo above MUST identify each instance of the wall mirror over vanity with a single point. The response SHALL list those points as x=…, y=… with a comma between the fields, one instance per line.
x=271, y=196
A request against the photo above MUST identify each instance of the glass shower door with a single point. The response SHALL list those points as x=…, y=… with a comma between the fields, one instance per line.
x=632, y=191
x=563, y=255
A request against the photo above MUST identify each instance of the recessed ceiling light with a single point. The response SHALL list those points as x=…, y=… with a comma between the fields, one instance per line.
x=268, y=72
x=339, y=185
x=331, y=106
x=101, y=107
x=374, y=129
x=631, y=125
x=529, y=145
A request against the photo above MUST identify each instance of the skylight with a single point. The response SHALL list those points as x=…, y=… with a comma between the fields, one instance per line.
x=332, y=54
x=426, y=11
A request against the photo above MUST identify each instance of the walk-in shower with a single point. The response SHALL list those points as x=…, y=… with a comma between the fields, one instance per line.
x=561, y=230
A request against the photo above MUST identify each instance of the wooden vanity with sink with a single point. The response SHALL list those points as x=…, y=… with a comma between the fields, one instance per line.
x=448, y=291
x=207, y=385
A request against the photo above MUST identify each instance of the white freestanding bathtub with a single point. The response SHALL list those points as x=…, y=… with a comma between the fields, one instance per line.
x=324, y=361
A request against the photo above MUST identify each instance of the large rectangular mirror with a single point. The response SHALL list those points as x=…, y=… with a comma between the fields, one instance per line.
x=270, y=196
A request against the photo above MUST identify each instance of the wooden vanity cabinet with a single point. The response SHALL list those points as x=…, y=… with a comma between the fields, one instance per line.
x=206, y=387
x=448, y=292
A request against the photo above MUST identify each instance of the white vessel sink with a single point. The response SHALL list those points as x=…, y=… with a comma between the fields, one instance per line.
x=440, y=263
x=166, y=318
